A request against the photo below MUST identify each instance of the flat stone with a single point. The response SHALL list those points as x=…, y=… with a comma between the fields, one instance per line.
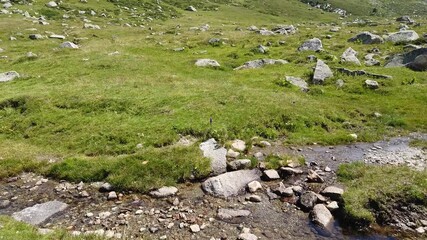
x=350, y=56
x=333, y=206
x=270, y=175
x=207, y=63
x=55, y=36
x=39, y=213
x=4, y=204
x=238, y=145
x=299, y=82
x=290, y=171
x=164, y=192
x=367, y=38
x=254, y=186
x=403, y=36
x=8, y=76
x=261, y=63
x=254, y=198
x=195, y=228
x=226, y=214
x=216, y=154
x=372, y=84
x=334, y=193
x=247, y=236
x=231, y=183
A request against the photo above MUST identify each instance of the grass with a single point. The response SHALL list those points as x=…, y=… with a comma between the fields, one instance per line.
x=91, y=109
x=370, y=189
x=11, y=229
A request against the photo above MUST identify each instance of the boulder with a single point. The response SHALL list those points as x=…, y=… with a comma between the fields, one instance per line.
x=260, y=63
x=216, y=154
x=322, y=217
x=226, y=214
x=350, y=55
x=314, y=44
x=321, y=72
x=254, y=186
x=334, y=193
x=35, y=36
x=270, y=175
x=231, y=183
x=367, y=38
x=372, y=84
x=298, y=82
x=403, y=36
x=39, y=213
x=406, y=59
x=307, y=200
x=285, y=29
x=69, y=45
x=419, y=63
x=207, y=63
x=239, y=164
x=8, y=76
x=164, y=192
x=238, y=145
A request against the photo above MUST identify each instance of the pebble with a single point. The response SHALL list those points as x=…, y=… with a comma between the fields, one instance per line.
x=195, y=228
x=112, y=195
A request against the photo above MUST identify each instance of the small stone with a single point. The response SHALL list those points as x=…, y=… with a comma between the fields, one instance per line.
x=207, y=63
x=35, y=36
x=328, y=169
x=232, y=154
x=112, y=195
x=372, y=84
x=420, y=230
x=254, y=198
x=51, y=4
x=259, y=156
x=224, y=213
x=254, y=186
x=332, y=206
x=322, y=217
x=195, y=228
x=89, y=214
x=314, y=177
x=290, y=171
x=270, y=175
x=191, y=9
x=238, y=145
x=265, y=144
x=239, y=164
x=139, y=212
x=69, y=45
x=164, y=192
x=4, y=204
x=247, y=236
x=104, y=215
x=84, y=194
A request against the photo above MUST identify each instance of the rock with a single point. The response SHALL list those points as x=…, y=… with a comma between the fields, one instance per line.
x=285, y=29
x=372, y=84
x=69, y=45
x=104, y=215
x=4, y=204
x=207, y=63
x=270, y=175
x=261, y=49
x=254, y=186
x=214, y=41
x=112, y=195
x=406, y=59
x=247, y=236
x=419, y=63
x=370, y=61
x=340, y=83
x=264, y=144
x=307, y=200
x=405, y=19
x=39, y=213
x=51, y=4
x=298, y=82
x=322, y=217
x=8, y=76
x=227, y=214
x=191, y=9
x=231, y=183
x=284, y=191
x=105, y=187
x=259, y=156
x=239, y=164
x=35, y=36
x=7, y=5
x=84, y=194
x=260, y=63
x=232, y=154
x=410, y=47
x=314, y=44
x=335, y=29
x=238, y=145
x=216, y=154
x=57, y=36
x=164, y=192
x=286, y=171
x=312, y=58
x=403, y=36
x=333, y=206
x=195, y=228
x=367, y=38
x=44, y=231
x=420, y=230
x=254, y=198
x=361, y=73
x=265, y=32
x=350, y=55
x=252, y=28
x=321, y=72
x=91, y=26
x=334, y=193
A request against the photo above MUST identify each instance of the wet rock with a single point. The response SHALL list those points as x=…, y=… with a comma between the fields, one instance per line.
x=334, y=193
x=207, y=63
x=403, y=36
x=307, y=200
x=226, y=214
x=8, y=76
x=239, y=164
x=322, y=217
x=367, y=38
x=350, y=55
x=298, y=82
x=270, y=175
x=238, y=145
x=260, y=63
x=321, y=72
x=254, y=186
x=39, y=213
x=216, y=154
x=164, y=192
x=314, y=44
x=372, y=84
x=231, y=183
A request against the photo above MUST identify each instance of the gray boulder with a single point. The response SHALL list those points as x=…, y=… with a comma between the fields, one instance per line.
x=8, y=76
x=69, y=45
x=322, y=217
x=260, y=63
x=314, y=44
x=334, y=193
x=419, y=63
x=403, y=36
x=239, y=164
x=321, y=72
x=372, y=84
x=350, y=55
x=298, y=82
x=367, y=38
x=207, y=63
x=39, y=213
x=231, y=183
x=407, y=59
x=216, y=154
x=164, y=192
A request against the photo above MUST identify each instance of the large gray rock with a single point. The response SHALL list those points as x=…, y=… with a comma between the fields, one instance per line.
x=216, y=154
x=407, y=59
x=231, y=183
x=419, y=64
x=334, y=193
x=322, y=217
x=403, y=36
x=164, y=192
x=226, y=214
x=39, y=213
x=367, y=38
x=260, y=63
x=8, y=76
x=307, y=200
x=314, y=44
x=207, y=63
x=298, y=82
x=350, y=55
x=321, y=72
